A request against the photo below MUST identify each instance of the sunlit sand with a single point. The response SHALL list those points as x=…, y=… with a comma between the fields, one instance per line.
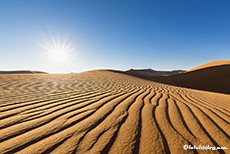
x=107, y=112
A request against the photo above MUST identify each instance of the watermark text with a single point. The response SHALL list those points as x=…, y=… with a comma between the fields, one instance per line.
x=191, y=147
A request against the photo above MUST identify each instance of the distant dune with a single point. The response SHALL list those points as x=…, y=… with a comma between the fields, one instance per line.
x=150, y=72
x=109, y=112
x=22, y=72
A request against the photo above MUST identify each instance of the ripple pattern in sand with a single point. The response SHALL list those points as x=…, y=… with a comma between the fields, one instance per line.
x=107, y=112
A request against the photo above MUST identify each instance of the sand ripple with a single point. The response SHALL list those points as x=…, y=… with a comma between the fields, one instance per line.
x=107, y=112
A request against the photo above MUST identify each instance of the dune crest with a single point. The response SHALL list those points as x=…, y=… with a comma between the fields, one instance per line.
x=211, y=64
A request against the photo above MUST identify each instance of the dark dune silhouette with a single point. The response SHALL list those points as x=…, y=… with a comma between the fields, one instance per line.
x=150, y=72
x=22, y=72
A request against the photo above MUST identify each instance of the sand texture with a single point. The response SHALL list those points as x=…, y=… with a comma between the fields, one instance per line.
x=107, y=112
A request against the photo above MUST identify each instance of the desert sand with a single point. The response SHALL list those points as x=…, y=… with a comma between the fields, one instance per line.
x=107, y=112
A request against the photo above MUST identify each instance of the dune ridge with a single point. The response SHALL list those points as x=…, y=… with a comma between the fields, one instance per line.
x=108, y=112
x=211, y=64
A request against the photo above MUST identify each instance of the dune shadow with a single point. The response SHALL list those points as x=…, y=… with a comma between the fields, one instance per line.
x=213, y=79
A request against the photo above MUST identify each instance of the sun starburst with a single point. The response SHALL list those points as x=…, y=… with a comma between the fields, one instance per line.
x=58, y=52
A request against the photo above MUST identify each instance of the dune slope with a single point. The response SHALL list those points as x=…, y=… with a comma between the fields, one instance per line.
x=215, y=78
x=108, y=112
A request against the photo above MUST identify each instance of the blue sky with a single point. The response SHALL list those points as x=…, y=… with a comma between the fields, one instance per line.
x=115, y=34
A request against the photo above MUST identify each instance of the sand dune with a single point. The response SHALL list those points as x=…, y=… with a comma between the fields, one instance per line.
x=211, y=64
x=107, y=112
x=210, y=77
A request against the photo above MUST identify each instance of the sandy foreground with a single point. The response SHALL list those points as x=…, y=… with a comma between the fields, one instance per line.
x=107, y=112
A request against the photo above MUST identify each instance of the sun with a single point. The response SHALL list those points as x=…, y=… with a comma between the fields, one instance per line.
x=58, y=52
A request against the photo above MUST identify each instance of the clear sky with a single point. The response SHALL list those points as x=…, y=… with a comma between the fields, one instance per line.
x=113, y=34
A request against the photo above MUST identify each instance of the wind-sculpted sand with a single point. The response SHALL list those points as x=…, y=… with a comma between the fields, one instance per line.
x=107, y=112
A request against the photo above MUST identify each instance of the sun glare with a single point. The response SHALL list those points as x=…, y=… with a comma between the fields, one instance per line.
x=58, y=52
